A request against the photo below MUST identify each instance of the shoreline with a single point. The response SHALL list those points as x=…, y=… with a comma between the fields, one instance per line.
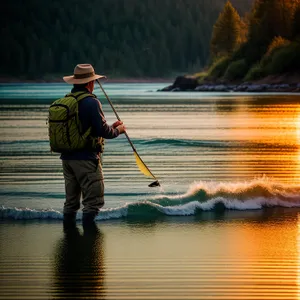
x=279, y=84
x=191, y=84
x=244, y=87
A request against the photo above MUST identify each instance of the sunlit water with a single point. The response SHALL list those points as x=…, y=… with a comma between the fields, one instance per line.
x=224, y=224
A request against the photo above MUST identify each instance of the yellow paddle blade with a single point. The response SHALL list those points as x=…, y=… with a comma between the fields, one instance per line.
x=143, y=168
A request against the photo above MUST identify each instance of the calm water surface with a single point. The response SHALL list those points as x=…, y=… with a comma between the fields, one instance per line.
x=224, y=225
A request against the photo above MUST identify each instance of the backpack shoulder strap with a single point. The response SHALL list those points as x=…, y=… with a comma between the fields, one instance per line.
x=85, y=95
x=80, y=95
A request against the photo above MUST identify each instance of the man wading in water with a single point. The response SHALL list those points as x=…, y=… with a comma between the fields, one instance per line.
x=77, y=129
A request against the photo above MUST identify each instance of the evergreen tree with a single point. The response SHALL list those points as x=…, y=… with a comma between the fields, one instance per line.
x=271, y=46
x=270, y=18
x=286, y=11
x=226, y=32
x=296, y=23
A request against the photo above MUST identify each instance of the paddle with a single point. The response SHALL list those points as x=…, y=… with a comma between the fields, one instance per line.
x=141, y=165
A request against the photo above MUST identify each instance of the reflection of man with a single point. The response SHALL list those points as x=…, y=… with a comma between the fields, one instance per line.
x=79, y=270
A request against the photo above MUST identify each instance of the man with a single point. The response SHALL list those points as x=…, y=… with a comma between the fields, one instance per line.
x=82, y=168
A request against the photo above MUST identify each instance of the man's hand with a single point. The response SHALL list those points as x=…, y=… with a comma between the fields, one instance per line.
x=121, y=128
x=116, y=124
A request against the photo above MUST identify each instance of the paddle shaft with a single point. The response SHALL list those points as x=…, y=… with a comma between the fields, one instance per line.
x=131, y=144
x=114, y=110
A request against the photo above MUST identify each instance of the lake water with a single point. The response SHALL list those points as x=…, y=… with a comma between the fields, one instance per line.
x=224, y=224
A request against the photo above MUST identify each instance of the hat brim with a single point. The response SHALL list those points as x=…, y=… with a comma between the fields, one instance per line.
x=72, y=80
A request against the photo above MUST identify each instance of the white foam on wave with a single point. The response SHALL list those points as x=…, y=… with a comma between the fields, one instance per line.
x=29, y=214
x=190, y=208
x=242, y=191
x=186, y=209
x=204, y=196
x=113, y=213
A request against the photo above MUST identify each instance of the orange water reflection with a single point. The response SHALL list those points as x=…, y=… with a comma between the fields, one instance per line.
x=269, y=129
x=298, y=143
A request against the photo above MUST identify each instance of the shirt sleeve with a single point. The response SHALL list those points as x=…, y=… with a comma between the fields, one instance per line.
x=99, y=124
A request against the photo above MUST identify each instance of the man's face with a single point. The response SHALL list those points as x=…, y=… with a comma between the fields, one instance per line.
x=91, y=86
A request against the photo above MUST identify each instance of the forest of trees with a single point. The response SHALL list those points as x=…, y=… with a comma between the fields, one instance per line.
x=121, y=38
x=266, y=42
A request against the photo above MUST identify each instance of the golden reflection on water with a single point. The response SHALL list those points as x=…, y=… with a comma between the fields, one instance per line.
x=298, y=249
x=298, y=143
x=237, y=260
x=275, y=130
x=270, y=132
x=232, y=255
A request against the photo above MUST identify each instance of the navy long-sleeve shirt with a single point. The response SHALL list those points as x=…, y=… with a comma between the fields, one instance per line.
x=91, y=115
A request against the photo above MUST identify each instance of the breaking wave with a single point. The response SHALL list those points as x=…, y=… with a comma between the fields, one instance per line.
x=200, y=197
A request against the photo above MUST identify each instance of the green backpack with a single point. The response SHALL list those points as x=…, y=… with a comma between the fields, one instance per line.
x=64, y=127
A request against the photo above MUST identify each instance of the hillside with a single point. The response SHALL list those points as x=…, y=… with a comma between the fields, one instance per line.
x=121, y=38
x=264, y=47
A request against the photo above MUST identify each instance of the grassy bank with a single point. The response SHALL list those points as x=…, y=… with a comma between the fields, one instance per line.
x=280, y=64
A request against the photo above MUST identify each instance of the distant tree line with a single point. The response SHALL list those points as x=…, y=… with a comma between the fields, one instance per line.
x=265, y=42
x=135, y=38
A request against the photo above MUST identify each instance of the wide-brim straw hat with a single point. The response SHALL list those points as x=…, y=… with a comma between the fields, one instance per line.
x=83, y=73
